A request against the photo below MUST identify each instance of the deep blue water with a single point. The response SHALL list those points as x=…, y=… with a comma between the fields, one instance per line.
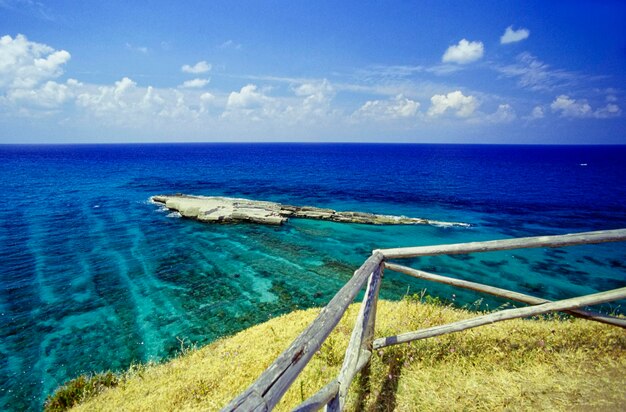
x=94, y=277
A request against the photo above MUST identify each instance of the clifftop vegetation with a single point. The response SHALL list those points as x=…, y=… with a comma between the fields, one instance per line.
x=540, y=364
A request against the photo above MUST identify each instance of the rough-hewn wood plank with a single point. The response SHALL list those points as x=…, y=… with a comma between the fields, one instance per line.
x=353, y=352
x=507, y=244
x=364, y=358
x=250, y=401
x=276, y=379
x=368, y=333
x=503, y=293
x=560, y=305
x=320, y=399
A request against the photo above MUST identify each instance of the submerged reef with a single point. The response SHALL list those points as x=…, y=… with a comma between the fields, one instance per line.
x=231, y=210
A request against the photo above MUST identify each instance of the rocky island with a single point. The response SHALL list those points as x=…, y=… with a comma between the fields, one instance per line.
x=231, y=210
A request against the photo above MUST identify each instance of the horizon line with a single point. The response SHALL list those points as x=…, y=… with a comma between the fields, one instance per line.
x=300, y=143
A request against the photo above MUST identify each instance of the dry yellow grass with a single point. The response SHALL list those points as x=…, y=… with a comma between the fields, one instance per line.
x=514, y=365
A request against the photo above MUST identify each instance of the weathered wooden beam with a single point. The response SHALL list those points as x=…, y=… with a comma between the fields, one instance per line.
x=276, y=379
x=602, y=236
x=368, y=333
x=320, y=399
x=560, y=305
x=364, y=358
x=503, y=293
x=355, y=346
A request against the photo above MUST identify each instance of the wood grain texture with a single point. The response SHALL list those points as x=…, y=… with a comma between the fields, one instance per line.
x=507, y=244
x=356, y=344
x=503, y=293
x=500, y=316
x=320, y=399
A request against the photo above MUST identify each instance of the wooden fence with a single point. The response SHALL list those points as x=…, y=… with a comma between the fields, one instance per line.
x=268, y=389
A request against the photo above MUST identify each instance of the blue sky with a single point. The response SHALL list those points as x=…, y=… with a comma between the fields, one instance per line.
x=384, y=71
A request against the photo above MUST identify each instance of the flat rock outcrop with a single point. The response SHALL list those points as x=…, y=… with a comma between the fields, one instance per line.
x=230, y=210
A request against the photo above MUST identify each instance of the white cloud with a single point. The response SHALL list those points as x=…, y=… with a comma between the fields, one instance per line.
x=535, y=75
x=194, y=84
x=396, y=108
x=122, y=86
x=108, y=98
x=206, y=100
x=230, y=44
x=315, y=93
x=151, y=100
x=512, y=36
x=247, y=97
x=310, y=89
x=464, y=52
x=504, y=114
x=125, y=104
x=49, y=96
x=568, y=107
x=207, y=97
x=200, y=67
x=25, y=64
x=382, y=73
x=571, y=107
x=33, y=8
x=443, y=69
x=139, y=49
x=178, y=108
x=311, y=105
x=251, y=105
x=464, y=106
x=537, y=113
x=610, y=110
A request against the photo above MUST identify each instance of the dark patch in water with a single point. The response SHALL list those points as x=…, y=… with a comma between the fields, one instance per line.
x=552, y=268
x=521, y=258
x=338, y=268
x=594, y=260
x=494, y=263
x=609, y=284
x=362, y=251
x=555, y=253
x=463, y=258
x=532, y=288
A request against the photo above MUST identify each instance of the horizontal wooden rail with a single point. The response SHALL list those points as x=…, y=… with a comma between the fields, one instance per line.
x=507, y=244
x=507, y=314
x=267, y=390
x=503, y=293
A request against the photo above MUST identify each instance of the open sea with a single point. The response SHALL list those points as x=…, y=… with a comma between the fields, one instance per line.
x=94, y=277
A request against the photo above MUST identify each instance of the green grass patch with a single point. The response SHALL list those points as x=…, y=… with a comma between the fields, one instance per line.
x=79, y=390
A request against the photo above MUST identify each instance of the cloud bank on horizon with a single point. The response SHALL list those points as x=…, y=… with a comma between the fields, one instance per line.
x=474, y=86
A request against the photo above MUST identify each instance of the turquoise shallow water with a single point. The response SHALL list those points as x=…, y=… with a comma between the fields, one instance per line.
x=95, y=277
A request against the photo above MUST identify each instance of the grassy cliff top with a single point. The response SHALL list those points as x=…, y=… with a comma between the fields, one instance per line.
x=519, y=365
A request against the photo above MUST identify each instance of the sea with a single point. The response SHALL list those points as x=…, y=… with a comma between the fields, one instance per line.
x=95, y=277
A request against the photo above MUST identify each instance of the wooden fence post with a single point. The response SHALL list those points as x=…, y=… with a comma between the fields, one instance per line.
x=359, y=348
